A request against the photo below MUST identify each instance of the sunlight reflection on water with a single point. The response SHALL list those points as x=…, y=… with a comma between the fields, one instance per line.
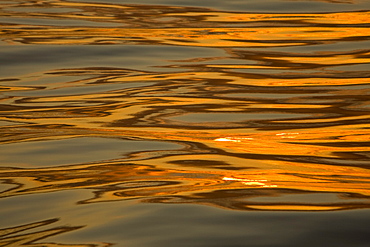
x=187, y=123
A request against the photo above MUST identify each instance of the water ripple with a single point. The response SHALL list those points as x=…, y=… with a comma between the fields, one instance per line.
x=176, y=104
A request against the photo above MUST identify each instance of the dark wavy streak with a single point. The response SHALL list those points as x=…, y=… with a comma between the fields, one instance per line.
x=247, y=200
x=303, y=61
x=349, y=159
x=8, y=237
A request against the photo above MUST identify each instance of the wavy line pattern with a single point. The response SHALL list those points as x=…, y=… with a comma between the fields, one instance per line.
x=177, y=104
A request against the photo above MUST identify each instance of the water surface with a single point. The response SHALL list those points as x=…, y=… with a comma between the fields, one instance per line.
x=184, y=123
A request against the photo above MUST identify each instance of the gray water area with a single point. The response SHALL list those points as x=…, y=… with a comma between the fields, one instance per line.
x=128, y=224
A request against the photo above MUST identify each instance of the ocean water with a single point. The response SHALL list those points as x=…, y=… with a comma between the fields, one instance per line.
x=185, y=123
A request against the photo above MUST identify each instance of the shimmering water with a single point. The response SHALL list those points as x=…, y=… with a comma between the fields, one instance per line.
x=184, y=123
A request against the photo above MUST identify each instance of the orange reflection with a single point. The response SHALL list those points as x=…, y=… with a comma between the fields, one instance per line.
x=246, y=166
x=182, y=26
x=259, y=129
x=215, y=37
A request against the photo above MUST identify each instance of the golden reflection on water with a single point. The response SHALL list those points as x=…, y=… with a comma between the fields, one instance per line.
x=314, y=164
x=180, y=26
x=248, y=125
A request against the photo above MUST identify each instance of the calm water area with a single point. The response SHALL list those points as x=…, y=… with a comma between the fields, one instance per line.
x=155, y=123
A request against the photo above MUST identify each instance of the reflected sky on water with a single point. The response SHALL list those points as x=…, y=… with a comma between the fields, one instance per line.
x=187, y=123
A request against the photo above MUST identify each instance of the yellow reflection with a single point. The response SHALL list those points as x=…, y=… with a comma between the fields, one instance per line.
x=251, y=182
x=298, y=143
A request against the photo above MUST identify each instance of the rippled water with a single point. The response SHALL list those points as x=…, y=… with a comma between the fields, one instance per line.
x=184, y=123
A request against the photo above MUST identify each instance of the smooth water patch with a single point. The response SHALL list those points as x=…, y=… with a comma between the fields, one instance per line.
x=74, y=150
x=35, y=58
x=199, y=226
x=82, y=90
x=126, y=223
x=281, y=6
